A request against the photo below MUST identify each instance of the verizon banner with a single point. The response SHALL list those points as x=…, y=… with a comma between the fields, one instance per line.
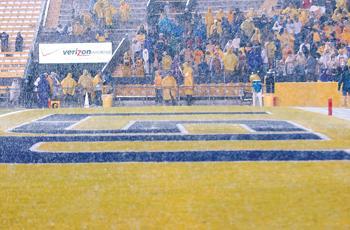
x=75, y=53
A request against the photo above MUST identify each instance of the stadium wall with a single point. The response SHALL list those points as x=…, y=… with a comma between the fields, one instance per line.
x=307, y=94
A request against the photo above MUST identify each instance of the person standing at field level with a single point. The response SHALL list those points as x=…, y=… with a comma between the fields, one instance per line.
x=4, y=38
x=344, y=84
x=19, y=43
x=188, y=82
x=43, y=91
x=256, y=89
x=169, y=86
x=85, y=82
x=158, y=87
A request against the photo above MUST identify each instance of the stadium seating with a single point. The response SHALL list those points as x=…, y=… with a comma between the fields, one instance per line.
x=17, y=16
x=216, y=5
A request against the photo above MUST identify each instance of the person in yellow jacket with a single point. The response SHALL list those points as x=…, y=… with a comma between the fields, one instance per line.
x=230, y=61
x=68, y=87
x=158, y=86
x=188, y=83
x=139, y=68
x=166, y=61
x=209, y=21
x=169, y=87
x=345, y=36
x=85, y=82
x=124, y=11
x=230, y=16
x=97, y=84
x=88, y=22
x=220, y=15
x=109, y=12
x=127, y=63
x=216, y=26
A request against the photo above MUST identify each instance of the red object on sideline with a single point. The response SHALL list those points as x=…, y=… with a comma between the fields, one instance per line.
x=330, y=107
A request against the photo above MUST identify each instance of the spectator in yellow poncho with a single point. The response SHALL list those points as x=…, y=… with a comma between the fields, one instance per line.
x=209, y=21
x=230, y=61
x=139, y=68
x=303, y=16
x=188, y=82
x=166, y=61
x=230, y=16
x=124, y=11
x=78, y=29
x=87, y=19
x=220, y=15
x=68, y=85
x=169, y=87
x=345, y=36
x=105, y=11
x=126, y=68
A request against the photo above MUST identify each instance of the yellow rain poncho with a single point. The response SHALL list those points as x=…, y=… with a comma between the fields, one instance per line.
x=209, y=20
x=230, y=61
x=68, y=85
x=188, y=78
x=124, y=11
x=85, y=81
x=169, y=86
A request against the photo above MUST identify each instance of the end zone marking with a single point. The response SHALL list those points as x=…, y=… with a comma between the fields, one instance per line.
x=247, y=128
x=182, y=128
x=77, y=123
x=130, y=123
x=10, y=130
x=36, y=146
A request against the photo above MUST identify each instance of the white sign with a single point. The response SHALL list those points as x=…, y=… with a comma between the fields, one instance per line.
x=75, y=53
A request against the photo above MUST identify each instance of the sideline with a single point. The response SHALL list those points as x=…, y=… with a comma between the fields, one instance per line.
x=14, y=112
x=341, y=113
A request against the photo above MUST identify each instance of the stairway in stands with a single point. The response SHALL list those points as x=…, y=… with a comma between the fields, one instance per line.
x=17, y=16
x=138, y=14
x=216, y=5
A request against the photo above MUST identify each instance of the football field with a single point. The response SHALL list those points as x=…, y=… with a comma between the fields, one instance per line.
x=200, y=167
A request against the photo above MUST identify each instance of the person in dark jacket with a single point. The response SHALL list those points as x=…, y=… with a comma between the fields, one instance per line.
x=4, y=38
x=19, y=43
x=43, y=92
x=310, y=68
x=203, y=72
x=344, y=84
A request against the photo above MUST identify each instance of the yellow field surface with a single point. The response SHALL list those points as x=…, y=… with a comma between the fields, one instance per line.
x=202, y=195
x=176, y=196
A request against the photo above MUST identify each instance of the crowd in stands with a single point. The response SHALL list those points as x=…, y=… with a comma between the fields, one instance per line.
x=4, y=38
x=298, y=42
x=94, y=23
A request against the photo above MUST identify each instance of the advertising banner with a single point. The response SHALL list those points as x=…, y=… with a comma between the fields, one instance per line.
x=75, y=53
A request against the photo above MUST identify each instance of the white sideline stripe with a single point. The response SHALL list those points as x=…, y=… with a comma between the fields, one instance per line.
x=77, y=123
x=182, y=128
x=26, y=123
x=322, y=136
x=347, y=151
x=15, y=112
x=130, y=123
